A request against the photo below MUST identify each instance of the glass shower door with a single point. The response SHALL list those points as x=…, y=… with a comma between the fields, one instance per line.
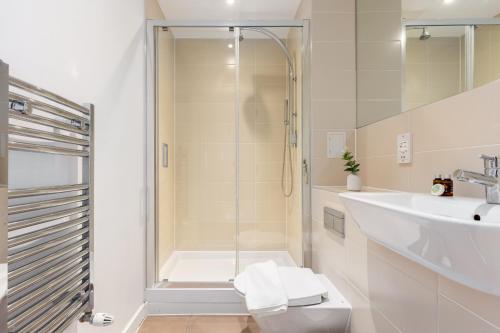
x=269, y=220
x=203, y=155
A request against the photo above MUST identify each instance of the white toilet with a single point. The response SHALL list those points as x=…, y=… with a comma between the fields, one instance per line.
x=332, y=315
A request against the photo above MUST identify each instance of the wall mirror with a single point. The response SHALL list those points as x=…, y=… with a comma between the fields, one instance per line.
x=414, y=52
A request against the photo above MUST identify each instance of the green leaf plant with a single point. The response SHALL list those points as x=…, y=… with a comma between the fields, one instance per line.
x=351, y=165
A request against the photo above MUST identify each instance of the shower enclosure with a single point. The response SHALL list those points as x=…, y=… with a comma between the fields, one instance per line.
x=228, y=149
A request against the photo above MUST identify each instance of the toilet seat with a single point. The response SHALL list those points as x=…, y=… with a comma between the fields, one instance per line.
x=302, y=286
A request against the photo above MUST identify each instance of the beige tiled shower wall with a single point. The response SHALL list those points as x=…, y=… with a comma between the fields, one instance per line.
x=434, y=69
x=333, y=76
x=294, y=202
x=205, y=188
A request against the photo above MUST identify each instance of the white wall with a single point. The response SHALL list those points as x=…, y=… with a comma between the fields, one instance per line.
x=92, y=51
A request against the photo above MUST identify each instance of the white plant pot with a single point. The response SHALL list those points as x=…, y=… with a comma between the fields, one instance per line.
x=353, y=183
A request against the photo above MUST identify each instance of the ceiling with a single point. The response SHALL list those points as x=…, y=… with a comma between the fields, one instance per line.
x=229, y=9
x=450, y=9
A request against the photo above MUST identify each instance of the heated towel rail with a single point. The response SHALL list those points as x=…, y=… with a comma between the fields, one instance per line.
x=46, y=244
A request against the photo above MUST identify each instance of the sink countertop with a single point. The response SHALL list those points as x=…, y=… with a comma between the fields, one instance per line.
x=455, y=237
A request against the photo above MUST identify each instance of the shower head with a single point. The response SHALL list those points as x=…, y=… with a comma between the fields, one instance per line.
x=425, y=34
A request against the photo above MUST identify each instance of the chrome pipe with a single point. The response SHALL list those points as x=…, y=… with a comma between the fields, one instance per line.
x=31, y=236
x=35, y=191
x=37, y=148
x=29, y=207
x=63, y=266
x=32, y=266
x=38, y=134
x=36, y=119
x=46, y=94
x=47, y=108
x=37, y=249
x=30, y=222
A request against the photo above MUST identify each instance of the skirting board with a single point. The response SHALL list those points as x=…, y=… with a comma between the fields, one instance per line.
x=137, y=319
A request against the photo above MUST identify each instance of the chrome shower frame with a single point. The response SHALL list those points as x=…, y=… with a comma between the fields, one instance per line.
x=151, y=197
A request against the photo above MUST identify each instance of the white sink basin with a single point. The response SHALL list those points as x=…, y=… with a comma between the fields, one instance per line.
x=439, y=233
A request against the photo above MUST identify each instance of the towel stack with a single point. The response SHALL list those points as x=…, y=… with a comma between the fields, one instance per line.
x=269, y=289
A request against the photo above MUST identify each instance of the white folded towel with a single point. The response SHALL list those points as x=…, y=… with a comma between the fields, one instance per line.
x=264, y=291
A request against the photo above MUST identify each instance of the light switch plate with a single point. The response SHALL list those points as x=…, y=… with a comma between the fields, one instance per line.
x=336, y=142
x=403, y=146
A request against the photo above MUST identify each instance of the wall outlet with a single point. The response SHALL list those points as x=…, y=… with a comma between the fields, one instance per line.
x=404, y=151
x=336, y=142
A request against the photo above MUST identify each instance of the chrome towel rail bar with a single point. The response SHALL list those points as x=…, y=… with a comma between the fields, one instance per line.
x=29, y=104
x=71, y=288
x=35, y=191
x=43, y=247
x=34, y=133
x=30, y=222
x=46, y=232
x=37, y=148
x=29, y=207
x=64, y=266
x=39, y=120
x=47, y=94
x=31, y=236
x=44, y=261
x=40, y=293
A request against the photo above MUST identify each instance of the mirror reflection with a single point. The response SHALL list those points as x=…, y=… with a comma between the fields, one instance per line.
x=414, y=52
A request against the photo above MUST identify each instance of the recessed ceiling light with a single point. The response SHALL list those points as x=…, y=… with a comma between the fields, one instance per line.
x=230, y=45
x=447, y=2
x=230, y=2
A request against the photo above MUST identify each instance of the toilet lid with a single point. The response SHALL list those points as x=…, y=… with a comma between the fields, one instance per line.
x=302, y=286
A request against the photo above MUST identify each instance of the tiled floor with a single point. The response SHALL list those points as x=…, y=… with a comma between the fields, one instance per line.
x=199, y=324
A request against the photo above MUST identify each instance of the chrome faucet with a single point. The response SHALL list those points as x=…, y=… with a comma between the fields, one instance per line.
x=489, y=179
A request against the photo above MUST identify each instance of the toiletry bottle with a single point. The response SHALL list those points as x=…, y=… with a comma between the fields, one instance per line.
x=438, y=187
x=448, y=185
x=437, y=179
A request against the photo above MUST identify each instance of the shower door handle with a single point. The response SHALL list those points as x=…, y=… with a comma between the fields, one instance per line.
x=164, y=153
x=306, y=170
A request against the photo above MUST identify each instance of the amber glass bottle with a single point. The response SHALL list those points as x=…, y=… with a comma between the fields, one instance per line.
x=448, y=186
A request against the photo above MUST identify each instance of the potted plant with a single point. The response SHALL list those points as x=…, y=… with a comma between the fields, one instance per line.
x=353, y=180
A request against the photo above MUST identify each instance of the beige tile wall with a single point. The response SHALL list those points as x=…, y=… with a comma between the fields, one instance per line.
x=205, y=145
x=390, y=293
x=487, y=54
x=333, y=76
x=447, y=135
x=434, y=70
x=378, y=60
